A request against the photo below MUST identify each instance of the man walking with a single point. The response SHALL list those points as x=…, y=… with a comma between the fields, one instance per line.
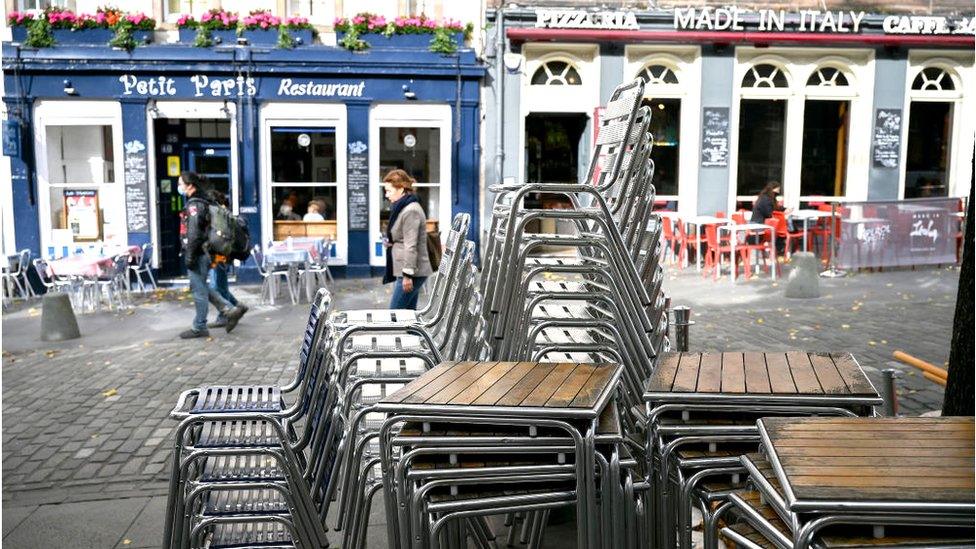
x=218, y=272
x=195, y=220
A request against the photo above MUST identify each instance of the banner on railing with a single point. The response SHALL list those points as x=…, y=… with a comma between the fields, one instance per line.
x=897, y=233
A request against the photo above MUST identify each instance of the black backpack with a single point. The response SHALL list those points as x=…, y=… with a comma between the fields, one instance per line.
x=228, y=234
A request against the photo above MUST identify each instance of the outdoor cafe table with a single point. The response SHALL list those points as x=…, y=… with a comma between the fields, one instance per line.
x=733, y=228
x=296, y=253
x=758, y=378
x=919, y=468
x=572, y=394
x=700, y=221
x=86, y=265
x=806, y=216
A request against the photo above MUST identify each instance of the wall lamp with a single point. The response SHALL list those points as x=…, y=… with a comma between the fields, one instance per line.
x=407, y=93
x=69, y=89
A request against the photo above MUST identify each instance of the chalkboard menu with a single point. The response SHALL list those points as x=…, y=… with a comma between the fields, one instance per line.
x=715, y=137
x=357, y=185
x=136, y=188
x=887, y=138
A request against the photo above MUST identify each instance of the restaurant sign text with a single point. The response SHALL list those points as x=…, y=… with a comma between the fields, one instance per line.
x=579, y=19
x=841, y=21
x=202, y=85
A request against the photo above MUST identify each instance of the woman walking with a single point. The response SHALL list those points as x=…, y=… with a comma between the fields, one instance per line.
x=407, y=262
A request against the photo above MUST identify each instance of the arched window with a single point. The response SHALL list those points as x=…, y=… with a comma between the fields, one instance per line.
x=933, y=78
x=828, y=77
x=658, y=75
x=764, y=76
x=556, y=73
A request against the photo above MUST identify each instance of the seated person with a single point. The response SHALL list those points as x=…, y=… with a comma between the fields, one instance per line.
x=313, y=212
x=286, y=213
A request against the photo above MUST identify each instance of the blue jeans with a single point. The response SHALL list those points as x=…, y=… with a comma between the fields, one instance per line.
x=218, y=283
x=404, y=300
x=203, y=295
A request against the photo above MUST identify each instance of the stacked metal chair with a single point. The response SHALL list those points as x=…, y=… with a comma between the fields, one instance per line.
x=442, y=477
x=251, y=468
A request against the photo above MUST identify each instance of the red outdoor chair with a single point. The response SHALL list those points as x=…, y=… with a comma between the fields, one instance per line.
x=792, y=239
x=688, y=238
x=717, y=249
x=674, y=239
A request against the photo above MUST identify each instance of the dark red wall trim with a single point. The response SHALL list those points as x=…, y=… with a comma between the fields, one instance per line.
x=726, y=37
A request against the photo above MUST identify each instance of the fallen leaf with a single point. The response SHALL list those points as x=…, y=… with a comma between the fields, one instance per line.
x=110, y=393
x=872, y=343
x=845, y=326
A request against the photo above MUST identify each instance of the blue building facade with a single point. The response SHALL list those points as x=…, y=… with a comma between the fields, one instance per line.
x=299, y=141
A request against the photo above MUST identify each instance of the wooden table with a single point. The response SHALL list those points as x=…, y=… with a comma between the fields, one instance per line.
x=758, y=378
x=873, y=465
x=553, y=394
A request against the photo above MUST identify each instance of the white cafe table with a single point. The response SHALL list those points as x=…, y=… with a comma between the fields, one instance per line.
x=700, y=221
x=747, y=228
x=806, y=216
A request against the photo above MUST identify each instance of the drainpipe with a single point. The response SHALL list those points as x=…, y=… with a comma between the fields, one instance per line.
x=499, y=96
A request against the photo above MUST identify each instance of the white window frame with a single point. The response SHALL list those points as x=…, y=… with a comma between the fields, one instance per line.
x=399, y=115
x=173, y=17
x=306, y=115
x=582, y=99
x=959, y=67
x=78, y=113
x=685, y=62
x=798, y=64
x=187, y=110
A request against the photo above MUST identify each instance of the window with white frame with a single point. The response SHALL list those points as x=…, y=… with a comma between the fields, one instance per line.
x=173, y=9
x=658, y=75
x=556, y=73
x=931, y=119
x=933, y=79
x=765, y=76
x=762, y=128
x=826, y=131
x=827, y=77
x=319, y=12
x=304, y=181
x=661, y=84
x=24, y=5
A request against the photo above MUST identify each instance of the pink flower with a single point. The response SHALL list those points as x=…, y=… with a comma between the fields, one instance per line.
x=264, y=24
x=206, y=17
x=339, y=21
x=358, y=19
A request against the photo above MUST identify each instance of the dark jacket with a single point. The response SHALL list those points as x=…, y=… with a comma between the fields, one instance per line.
x=763, y=208
x=194, y=223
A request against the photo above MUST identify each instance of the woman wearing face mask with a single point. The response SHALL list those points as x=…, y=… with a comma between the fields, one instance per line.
x=407, y=262
x=286, y=211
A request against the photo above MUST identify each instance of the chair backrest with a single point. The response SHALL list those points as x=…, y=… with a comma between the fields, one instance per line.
x=23, y=261
x=43, y=273
x=258, y=257
x=616, y=125
x=711, y=236
x=145, y=258
x=667, y=229
x=120, y=264
x=720, y=215
x=739, y=217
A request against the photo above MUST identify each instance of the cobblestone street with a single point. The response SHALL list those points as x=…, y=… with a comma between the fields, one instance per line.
x=86, y=437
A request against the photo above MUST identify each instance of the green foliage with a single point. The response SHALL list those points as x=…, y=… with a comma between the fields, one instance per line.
x=285, y=40
x=352, y=42
x=443, y=42
x=39, y=34
x=203, y=38
x=123, y=38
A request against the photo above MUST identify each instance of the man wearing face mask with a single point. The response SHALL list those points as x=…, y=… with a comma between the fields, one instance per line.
x=194, y=223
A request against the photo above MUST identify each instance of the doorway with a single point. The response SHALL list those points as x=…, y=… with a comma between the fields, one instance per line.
x=762, y=139
x=927, y=161
x=555, y=152
x=666, y=129
x=200, y=145
x=824, y=164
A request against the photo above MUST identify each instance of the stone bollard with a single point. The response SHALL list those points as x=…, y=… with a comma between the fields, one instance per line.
x=58, y=318
x=804, y=279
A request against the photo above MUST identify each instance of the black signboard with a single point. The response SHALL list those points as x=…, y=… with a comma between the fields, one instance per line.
x=357, y=185
x=136, y=188
x=886, y=146
x=715, y=137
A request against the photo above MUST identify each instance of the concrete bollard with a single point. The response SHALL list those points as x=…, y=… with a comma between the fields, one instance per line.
x=804, y=279
x=58, y=318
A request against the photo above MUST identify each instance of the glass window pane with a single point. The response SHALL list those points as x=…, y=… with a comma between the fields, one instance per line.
x=80, y=154
x=223, y=129
x=929, y=143
x=304, y=211
x=414, y=150
x=825, y=128
x=762, y=135
x=303, y=155
x=192, y=128
x=666, y=128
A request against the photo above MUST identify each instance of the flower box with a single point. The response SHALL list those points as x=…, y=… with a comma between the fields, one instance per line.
x=18, y=33
x=302, y=36
x=261, y=37
x=400, y=41
x=68, y=37
x=225, y=37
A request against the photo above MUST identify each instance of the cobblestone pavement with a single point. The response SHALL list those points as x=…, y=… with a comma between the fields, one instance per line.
x=85, y=422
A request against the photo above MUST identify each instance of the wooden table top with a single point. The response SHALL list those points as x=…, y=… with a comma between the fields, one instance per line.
x=558, y=389
x=879, y=463
x=760, y=377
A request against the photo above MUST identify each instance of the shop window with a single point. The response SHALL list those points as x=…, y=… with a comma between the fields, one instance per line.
x=825, y=129
x=303, y=181
x=933, y=79
x=929, y=138
x=666, y=128
x=656, y=75
x=23, y=5
x=764, y=76
x=417, y=151
x=556, y=73
x=175, y=8
x=207, y=128
x=762, y=137
x=828, y=76
x=316, y=11
x=81, y=173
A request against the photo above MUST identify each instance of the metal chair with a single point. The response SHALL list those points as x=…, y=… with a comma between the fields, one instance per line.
x=270, y=274
x=143, y=265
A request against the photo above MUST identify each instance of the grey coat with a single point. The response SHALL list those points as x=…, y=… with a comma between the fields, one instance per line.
x=410, y=243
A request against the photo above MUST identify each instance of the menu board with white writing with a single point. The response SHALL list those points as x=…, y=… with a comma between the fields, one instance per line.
x=715, y=137
x=357, y=185
x=886, y=145
x=136, y=188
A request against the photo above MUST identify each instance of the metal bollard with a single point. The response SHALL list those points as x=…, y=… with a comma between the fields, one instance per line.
x=888, y=377
x=682, y=320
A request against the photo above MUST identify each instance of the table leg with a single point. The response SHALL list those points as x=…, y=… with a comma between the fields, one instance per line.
x=698, y=247
x=775, y=260
x=732, y=239
x=805, y=221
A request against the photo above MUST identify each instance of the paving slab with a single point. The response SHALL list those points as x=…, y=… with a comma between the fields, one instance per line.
x=83, y=525
x=147, y=529
x=13, y=516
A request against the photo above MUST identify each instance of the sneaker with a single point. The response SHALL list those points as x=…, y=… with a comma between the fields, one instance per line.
x=219, y=323
x=193, y=334
x=233, y=316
